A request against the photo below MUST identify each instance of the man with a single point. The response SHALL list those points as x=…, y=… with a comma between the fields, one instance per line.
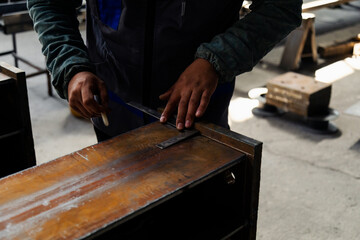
x=185, y=54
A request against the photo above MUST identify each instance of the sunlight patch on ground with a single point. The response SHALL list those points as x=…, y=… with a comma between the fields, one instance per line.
x=257, y=92
x=353, y=62
x=337, y=70
x=240, y=109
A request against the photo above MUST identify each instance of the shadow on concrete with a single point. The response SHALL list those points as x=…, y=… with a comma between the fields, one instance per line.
x=60, y=100
x=296, y=125
x=72, y=123
x=270, y=66
x=307, y=66
x=356, y=146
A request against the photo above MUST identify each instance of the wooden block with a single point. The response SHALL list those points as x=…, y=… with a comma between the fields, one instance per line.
x=127, y=188
x=338, y=48
x=299, y=94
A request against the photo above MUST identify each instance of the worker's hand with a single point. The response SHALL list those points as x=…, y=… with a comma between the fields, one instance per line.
x=190, y=94
x=81, y=90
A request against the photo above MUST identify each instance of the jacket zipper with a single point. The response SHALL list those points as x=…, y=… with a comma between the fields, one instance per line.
x=148, y=53
x=182, y=14
x=183, y=8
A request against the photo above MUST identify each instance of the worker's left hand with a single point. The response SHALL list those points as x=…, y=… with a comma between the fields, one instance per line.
x=190, y=94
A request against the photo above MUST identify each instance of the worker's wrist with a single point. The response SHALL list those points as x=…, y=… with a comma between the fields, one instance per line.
x=223, y=76
x=208, y=66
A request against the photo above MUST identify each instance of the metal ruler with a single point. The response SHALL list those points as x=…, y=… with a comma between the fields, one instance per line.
x=183, y=134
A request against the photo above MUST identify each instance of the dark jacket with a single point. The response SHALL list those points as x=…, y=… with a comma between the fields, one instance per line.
x=155, y=41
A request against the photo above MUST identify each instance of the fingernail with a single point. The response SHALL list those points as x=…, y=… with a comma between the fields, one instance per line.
x=162, y=119
x=180, y=126
x=187, y=124
x=198, y=113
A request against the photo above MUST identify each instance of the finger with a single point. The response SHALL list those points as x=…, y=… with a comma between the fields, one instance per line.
x=192, y=107
x=169, y=109
x=84, y=111
x=89, y=102
x=165, y=96
x=182, y=110
x=205, y=99
x=75, y=104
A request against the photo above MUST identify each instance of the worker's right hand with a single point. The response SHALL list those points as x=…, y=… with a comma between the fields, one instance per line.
x=81, y=91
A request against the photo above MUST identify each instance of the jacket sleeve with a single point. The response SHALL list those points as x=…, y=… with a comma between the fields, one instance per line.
x=56, y=23
x=244, y=44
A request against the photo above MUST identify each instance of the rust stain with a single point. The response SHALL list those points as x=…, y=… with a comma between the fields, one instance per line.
x=85, y=191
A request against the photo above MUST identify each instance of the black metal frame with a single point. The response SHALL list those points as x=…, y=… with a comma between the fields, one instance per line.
x=16, y=138
x=14, y=7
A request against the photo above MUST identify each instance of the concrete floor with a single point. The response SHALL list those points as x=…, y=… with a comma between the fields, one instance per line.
x=310, y=183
